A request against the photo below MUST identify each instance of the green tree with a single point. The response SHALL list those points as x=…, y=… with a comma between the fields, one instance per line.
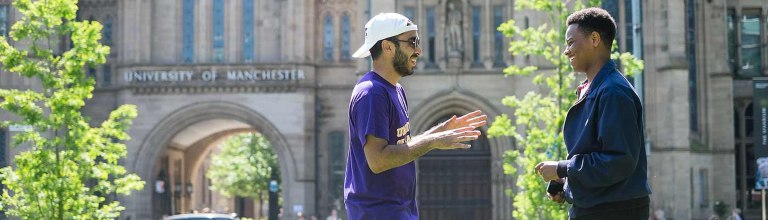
x=244, y=166
x=71, y=167
x=539, y=117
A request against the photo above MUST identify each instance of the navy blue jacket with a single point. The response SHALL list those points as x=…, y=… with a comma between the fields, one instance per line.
x=603, y=133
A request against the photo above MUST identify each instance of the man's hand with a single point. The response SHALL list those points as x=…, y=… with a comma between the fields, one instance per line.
x=473, y=119
x=547, y=170
x=451, y=139
x=559, y=198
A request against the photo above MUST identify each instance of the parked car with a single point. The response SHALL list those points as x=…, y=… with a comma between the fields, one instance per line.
x=203, y=216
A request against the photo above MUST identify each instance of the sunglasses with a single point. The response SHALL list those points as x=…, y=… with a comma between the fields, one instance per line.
x=413, y=41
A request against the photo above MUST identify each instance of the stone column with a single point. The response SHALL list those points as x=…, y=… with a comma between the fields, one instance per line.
x=667, y=109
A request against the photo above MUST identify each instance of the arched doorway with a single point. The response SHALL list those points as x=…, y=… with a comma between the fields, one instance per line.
x=444, y=104
x=183, y=183
x=456, y=184
x=199, y=118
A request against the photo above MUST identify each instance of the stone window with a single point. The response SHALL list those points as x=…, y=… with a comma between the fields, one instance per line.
x=3, y=148
x=248, y=33
x=107, y=31
x=188, y=31
x=628, y=28
x=745, y=28
x=732, y=42
x=476, y=27
x=750, y=52
x=431, y=36
x=218, y=31
x=690, y=46
x=409, y=12
x=4, y=20
x=345, y=25
x=328, y=37
x=703, y=187
x=498, y=37
x=612, y=6
x=107, y=74
x=92, y=73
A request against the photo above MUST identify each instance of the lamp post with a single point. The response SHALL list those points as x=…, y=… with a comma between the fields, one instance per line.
x=188, y=194
x=189, y=189
x=177, y=190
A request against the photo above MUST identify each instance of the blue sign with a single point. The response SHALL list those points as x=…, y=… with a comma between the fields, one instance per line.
x=273, y=185
x=760, y=114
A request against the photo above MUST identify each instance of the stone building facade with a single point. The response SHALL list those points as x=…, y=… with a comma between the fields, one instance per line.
x=700, y=59
x=202, y=70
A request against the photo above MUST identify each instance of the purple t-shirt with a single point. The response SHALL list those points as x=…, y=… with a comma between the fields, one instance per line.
x=380, y=109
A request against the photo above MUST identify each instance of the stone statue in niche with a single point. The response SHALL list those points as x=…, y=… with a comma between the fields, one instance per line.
x=455, y=18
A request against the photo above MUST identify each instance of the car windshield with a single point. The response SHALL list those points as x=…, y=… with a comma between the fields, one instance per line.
x=202, y=218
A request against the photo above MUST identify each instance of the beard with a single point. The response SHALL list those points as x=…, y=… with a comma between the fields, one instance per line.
x=400, y=63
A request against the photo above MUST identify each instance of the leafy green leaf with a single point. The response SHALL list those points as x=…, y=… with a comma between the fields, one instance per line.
x=244, y=166
x=70, y=166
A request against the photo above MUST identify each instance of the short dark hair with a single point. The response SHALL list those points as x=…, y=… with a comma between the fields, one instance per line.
x=376, y=49
x=595, y=19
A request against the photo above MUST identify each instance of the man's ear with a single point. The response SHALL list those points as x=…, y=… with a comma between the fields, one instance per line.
x=387, y=47
x=595, y=39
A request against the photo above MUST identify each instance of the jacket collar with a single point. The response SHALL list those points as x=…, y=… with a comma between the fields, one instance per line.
x=607, y=69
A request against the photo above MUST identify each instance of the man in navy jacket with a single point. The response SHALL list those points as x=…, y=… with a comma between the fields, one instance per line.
x=605, y=174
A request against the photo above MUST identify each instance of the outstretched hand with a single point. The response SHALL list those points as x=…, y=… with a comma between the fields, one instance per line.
x=473, y=119
x=451, y=139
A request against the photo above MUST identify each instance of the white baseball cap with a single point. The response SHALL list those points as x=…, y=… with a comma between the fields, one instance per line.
x=381, y=27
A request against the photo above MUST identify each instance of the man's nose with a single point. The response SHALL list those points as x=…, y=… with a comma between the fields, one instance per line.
x=418, y=50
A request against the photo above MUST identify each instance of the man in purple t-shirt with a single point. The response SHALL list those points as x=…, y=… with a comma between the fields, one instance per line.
x=380, y=180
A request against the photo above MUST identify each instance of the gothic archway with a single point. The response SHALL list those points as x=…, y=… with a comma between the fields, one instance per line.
x=154, y=145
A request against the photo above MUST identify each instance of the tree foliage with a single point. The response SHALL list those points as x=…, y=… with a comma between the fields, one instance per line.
x=244, y=166
x=539, y=116
x=71, y=168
